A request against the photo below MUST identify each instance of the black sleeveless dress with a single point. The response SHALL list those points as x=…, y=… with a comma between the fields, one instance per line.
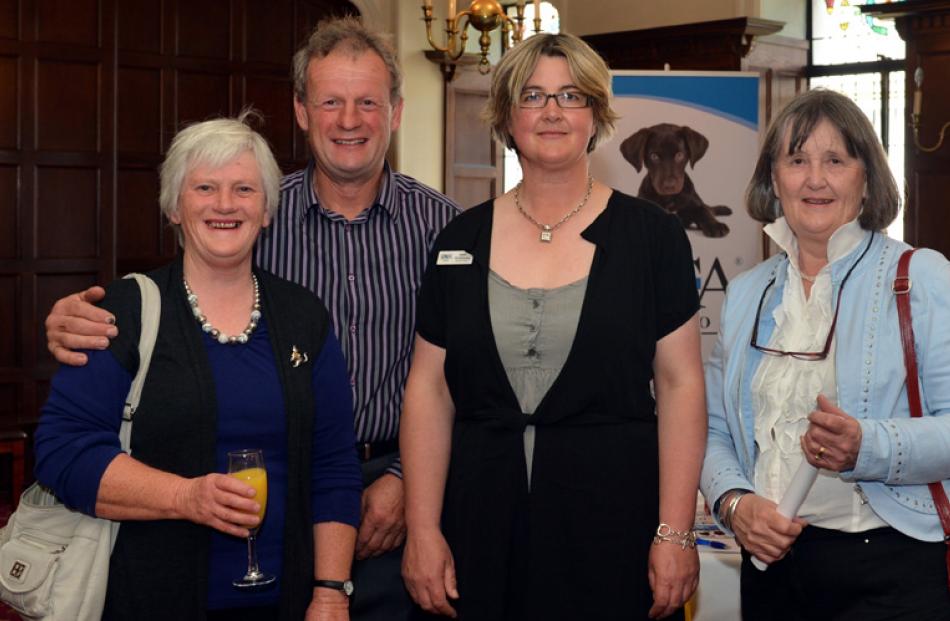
x=576, y=546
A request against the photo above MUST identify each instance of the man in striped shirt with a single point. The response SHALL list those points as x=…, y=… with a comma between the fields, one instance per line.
x=358, y=234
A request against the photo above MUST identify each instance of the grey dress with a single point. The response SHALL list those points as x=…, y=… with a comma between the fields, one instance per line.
x=534, y=330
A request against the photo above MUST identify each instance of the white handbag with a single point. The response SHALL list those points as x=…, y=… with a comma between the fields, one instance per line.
x=54, y=562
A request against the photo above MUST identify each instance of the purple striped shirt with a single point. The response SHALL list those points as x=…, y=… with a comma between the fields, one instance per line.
x=367, y=271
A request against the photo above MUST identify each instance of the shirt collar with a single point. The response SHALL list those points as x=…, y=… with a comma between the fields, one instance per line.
x=387, y=198
x=841, y=243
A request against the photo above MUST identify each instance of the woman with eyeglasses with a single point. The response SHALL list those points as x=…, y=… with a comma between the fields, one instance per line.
x=538, y=467
x=809, y=368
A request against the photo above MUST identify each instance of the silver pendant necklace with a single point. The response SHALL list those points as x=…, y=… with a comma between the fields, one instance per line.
x=547, y=230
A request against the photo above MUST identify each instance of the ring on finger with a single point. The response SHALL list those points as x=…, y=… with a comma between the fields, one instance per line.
x=820, y=454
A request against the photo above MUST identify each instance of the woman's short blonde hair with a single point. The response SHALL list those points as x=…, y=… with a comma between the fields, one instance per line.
x=215, y=143
x=797, y=121
x=588, y=70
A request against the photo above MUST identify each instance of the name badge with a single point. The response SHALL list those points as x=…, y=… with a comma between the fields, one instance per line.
x=453, y=257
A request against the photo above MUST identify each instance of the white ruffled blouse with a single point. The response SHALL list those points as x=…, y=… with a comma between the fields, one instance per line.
x=785, y=389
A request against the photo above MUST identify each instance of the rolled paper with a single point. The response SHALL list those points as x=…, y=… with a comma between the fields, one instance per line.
x=794, y=497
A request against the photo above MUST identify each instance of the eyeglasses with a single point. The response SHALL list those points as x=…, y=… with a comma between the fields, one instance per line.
x=564, y=99
x=805, y=355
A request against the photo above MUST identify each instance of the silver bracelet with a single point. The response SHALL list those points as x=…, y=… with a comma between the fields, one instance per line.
x=683, y=538
x=730, y=510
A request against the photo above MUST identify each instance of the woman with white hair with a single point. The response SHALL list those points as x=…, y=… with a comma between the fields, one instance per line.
x=242, y=359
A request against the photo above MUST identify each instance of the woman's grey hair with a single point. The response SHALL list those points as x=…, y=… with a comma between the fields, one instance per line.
x=215, y=143
x=796, y=122
x=349, y=35
x=588, y=70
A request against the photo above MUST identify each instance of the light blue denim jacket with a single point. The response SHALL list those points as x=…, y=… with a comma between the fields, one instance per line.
x=898, y=455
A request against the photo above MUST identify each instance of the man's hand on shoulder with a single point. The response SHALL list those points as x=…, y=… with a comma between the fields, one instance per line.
x=75, y=323
x=383, y=523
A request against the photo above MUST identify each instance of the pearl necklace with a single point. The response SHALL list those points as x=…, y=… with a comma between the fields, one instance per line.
x=547, y=230
x=216, y=334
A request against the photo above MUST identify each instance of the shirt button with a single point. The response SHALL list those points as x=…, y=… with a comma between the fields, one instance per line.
x=533, y=352
x=351, y=278
x=353, y=329
x=352, y=381
x=536, y=303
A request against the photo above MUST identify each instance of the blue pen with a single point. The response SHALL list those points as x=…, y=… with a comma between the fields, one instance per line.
x=715, y=545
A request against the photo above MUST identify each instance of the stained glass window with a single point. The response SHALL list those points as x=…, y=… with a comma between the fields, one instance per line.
x=862, y=57
x=842, y=34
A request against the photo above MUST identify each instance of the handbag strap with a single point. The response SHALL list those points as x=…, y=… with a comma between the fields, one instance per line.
x=151, y=315
x=902, y=287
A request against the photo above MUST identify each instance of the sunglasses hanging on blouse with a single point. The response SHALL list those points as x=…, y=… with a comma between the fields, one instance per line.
x=805, y=355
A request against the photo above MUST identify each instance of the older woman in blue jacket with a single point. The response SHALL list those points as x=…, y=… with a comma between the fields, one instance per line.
x=809, y=367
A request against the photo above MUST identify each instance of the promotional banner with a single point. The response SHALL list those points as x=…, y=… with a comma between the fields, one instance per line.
x=688, y=141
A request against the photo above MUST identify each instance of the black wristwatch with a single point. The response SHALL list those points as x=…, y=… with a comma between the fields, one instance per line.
x=345, y=587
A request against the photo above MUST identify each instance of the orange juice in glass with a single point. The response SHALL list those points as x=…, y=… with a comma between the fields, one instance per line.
x=247, y=465
x=256, y=478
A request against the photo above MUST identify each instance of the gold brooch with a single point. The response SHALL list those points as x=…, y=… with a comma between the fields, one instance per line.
x=297, y=358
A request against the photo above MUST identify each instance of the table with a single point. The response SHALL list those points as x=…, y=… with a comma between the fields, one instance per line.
x=717, y=598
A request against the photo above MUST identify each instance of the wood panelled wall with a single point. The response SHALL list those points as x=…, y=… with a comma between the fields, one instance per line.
x=926, y=221
x=925, y=27
x=91, y=93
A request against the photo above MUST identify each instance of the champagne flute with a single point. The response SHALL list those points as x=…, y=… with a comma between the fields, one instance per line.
x=247, y=465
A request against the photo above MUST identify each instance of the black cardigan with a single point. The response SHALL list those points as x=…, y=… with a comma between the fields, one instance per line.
x=159, y=568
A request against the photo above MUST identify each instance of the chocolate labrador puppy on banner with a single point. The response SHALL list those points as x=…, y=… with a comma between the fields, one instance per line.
x=665, y=149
